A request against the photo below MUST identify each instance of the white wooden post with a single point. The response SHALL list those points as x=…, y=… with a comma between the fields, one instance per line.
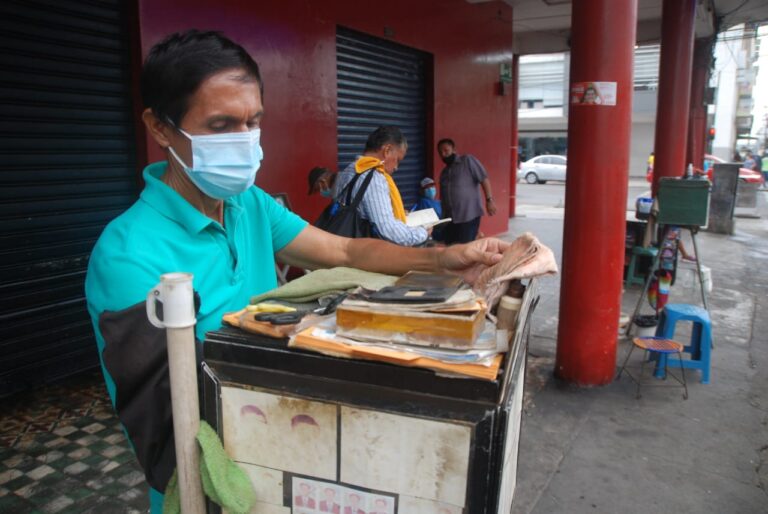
x=176, y=294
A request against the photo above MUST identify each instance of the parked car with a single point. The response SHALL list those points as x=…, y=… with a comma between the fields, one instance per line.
x=745, y=174
x=542, y=168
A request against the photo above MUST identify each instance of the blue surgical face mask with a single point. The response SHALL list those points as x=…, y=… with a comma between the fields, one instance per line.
x=223, y=165
x=327, y=193
x=430, y=193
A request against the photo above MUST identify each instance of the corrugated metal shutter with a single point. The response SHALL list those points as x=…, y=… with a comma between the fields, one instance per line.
x=382, y=83
x=68, y=167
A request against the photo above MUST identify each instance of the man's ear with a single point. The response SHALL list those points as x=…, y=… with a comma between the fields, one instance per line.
x=157, y=128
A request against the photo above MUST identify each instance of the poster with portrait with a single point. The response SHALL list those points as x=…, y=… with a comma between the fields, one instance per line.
x=310, y=496
x=593, y=93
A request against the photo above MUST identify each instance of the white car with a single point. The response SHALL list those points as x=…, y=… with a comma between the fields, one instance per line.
x=542, y=168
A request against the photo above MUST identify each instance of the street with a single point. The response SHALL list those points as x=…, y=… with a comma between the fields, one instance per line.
x=547, y=198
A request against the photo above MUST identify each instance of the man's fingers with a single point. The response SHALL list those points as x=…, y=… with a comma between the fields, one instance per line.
x=502, y=246
x=483, y=256
x=492, y=258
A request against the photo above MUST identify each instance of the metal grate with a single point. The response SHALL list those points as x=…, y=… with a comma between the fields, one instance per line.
x=382, y=83
x=68, y=168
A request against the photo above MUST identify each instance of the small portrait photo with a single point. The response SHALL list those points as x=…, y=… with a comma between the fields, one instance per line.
x=591, y=95
x=304, y=496
x=355, y=502
x=382, y=505
x=330, y=499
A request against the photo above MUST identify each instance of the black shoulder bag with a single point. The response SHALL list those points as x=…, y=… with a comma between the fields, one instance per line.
x=347, y=221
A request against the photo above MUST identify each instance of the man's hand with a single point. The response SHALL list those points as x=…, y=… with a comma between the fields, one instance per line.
x=469, y=260
x=490, y=206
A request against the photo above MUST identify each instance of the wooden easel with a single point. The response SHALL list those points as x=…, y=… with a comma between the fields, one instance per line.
x=646, y=241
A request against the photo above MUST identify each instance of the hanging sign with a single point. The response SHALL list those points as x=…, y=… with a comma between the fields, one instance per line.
x=593, y=93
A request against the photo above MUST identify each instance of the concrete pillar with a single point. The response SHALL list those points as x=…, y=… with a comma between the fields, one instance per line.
x=513, y=153
x=599, y=128
x=673, y=106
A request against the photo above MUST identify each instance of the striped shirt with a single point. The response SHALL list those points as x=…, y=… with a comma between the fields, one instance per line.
x=376, y=207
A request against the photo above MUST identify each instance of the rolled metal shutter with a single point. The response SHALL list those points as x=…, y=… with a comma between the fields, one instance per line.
x=382, y=83
x=68, y=167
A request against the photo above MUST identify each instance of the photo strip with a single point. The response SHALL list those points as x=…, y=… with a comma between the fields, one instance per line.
x=310, y=496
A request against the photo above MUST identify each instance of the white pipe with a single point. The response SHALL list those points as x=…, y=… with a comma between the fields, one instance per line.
x=176, y=294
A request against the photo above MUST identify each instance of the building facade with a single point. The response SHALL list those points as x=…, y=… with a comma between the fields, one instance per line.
x=332, y=72
x=544, y=113
x=734, y=78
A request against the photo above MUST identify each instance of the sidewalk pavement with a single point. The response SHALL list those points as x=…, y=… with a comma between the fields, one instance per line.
x=600, y=450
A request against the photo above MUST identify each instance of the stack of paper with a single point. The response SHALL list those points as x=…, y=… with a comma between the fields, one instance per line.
x=477, y=363
x=455, y=323
x=424, y=320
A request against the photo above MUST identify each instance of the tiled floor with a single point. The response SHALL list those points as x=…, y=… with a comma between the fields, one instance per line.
x=62, y=451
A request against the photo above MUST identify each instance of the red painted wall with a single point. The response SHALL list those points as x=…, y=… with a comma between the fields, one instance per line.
x=294, y=42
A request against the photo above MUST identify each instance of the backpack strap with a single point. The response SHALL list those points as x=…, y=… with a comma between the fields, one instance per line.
x=361, y=192
x=347, y=191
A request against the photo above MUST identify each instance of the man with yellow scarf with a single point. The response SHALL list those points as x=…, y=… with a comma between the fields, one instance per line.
x=382, y=205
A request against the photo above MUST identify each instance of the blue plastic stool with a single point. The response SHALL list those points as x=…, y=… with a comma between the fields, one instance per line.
x=632, y=278
x=700, y=347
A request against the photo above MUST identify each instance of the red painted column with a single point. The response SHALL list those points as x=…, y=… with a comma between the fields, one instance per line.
x=697, y=120
x=673, y=104
x=513, y=147
x=602, y=48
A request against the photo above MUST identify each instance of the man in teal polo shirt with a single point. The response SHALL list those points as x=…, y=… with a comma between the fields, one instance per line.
x=200, y=213
x=163, y=232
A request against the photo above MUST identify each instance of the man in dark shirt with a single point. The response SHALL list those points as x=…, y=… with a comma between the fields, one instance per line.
x=458, y=193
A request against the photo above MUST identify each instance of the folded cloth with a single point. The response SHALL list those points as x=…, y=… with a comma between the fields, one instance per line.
x=526, y=257
x=223, y=481
x=325, y=282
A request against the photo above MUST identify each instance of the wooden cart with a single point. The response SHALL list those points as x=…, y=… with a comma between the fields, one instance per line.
x=324, y=434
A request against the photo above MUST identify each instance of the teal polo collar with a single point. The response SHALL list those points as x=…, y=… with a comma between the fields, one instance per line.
x=165, y=200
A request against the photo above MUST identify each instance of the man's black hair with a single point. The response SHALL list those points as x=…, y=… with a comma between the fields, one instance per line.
x=386, y=135
x=446, y=141
x=175, y=68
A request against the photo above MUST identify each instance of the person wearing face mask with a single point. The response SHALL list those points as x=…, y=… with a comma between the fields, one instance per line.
x=200, y=212
x=381, y=205
x=428, y=197
x=458, y=193
x=428, y=200
x=321, y=180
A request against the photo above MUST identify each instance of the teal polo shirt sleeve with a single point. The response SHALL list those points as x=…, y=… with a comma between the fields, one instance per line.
x=284, y=224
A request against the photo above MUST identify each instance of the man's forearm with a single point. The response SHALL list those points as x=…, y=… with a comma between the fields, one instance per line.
x=383, y=257
x=486, y=185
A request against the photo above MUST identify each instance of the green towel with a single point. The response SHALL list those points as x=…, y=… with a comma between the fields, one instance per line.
x=223, y=481
x=171, y=500
x=323, y=282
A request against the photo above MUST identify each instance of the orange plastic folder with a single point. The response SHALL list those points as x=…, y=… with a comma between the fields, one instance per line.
x=307, y=341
